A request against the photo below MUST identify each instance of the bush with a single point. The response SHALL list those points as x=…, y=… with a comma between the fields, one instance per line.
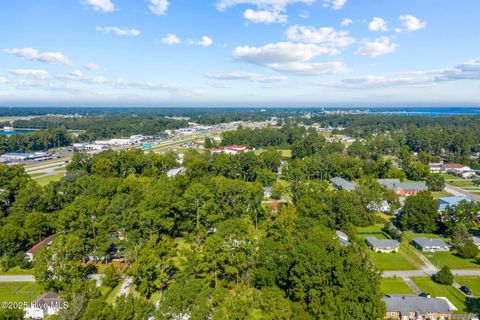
x=468, y=251
x=444, y=276
x=392, y=231
x=111, y=278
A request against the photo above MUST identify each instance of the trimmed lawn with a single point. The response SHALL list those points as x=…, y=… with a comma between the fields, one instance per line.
x=437, y=290
x=110, y=294
x=16, y=271
x=46, y=180
x=19, y=291
x=441, y=194
x=448, y=258
x=391, y=261
x=462, y=183
x=394, y=286
x=473, y=283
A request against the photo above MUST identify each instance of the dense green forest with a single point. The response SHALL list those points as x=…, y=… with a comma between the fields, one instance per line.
x=35, y=141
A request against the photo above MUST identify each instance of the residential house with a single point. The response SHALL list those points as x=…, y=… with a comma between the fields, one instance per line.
x=30, y=253
x=431, y=244
x=408, y=307
x=342, y=238
x=267, y=192
x=380, y=206
x=382, y=245
x=476, y=241
x=451, y=202
x=229, y=149
x=47, y=304
x=436, y=167
x=455, y=168
x=342, y=184
x=175, y=171
x=403, y=189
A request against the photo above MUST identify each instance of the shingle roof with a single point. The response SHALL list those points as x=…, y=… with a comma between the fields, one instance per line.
x=49, y=298
x=395, y=183
x=343, y=184
x=430, y=242
x=41, y=244
x=411, y=303
x=382, y=243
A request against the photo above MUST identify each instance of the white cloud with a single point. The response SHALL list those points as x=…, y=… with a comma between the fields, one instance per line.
x=268, y=11
x=411, y=23
x=290, y=57
x=304, y=14
x=346, y=22
x=35, y=73
x=3, y=80
x=469, y=70
x=34, y=55
x=92, y=66
x=378, y=24
x=264, y=16
x=377, y=47
x=220, y=85
x=248, y=76
x=205, y=42
x=158, y=7
x=76, y=74
x=326, y=36
x=101, y=5
x=171, y=39
x=334, y=4
x=119, y=31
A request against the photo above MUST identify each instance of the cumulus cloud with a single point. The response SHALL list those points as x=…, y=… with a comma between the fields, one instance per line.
x=469, y=70
x=248, y=76
x=158, y=7
x=35, y=73
x=101, y=5
x=205, y=42
x=220, y=85
x=377, y=47
x=326, y=36
x=171, y=39
x=268, y=11
x=334, y=4
x=92, y=66
x=346, y=22
x=411, y=23
x=264, y=16
x=378, y=24
x=34, y=55
x=290, y=57
x=119, y=31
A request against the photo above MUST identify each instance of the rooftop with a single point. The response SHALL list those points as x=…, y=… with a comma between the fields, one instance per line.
x=343, y=184
x=382, y=243
x=395, y=183
x=412, y=303
x=430, y=242
x=41, y=244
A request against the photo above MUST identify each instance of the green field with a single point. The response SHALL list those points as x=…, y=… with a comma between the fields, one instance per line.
x=46, y=180
x=394, y=286
x=437, y=290
x=18, y=291
x=462, y=183
x=16, y=271
x=448, y=258
x=473, y=283
x=391, y=261
x=441, y=194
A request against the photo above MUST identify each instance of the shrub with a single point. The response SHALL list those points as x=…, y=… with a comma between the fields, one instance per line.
x=468, y=251
x=392, y=231
x=444, y=276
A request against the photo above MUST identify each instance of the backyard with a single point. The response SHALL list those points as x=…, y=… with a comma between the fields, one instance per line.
x=450, y=259
x=18, y=291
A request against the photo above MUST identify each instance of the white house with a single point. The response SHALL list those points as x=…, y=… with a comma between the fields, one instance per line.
x=30, y=253
x=47, y=304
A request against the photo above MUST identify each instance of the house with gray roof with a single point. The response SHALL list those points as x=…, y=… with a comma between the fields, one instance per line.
x=382, y=245
x=406, y=307
x=431, y=244
x=342, y=238
x=342, y=184
x=403, y=189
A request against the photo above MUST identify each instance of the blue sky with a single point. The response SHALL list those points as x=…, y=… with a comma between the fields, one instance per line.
x=240, y=53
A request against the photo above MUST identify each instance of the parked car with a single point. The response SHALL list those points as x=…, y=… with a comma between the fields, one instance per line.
x=424, y=295
x=466, y=290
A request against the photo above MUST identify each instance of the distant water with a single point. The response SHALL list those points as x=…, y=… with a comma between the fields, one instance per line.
x=412, y=111
x=10, y=133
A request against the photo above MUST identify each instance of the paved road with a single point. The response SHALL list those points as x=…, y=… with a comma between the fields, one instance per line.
x=19, y=278
x=459, y=192
x=428, y=273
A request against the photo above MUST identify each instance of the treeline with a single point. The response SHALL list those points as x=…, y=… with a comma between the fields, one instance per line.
x=105, y=126
x=35, y=141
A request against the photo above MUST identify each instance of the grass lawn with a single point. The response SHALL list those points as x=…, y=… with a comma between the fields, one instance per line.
x=18, y=291
x=391, y=261
x=462, y=183
x=448, y=258
x=448, y=176
x=375, y=228
x=16, y=271
x=36, y=174
x=46, y=180
x=441, y=194
x=473, y=283
x=437, y=290
x=394, y=286
x=109, y=294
